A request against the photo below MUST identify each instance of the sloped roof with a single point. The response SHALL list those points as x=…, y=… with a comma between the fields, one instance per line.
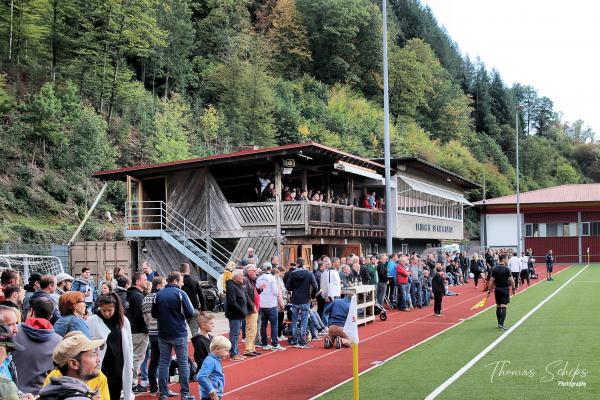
x=580, y=193
x=238, y=157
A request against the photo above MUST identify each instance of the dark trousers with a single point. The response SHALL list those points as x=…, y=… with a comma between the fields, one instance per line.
x=280, y=316
x=114, y=387
x=525, y=276
x=437, y=302
x=476, y=276
x=515, y=276
x=320, y=306
x=153, y=365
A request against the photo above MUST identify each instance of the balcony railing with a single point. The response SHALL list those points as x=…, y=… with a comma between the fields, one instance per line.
x=307, y=214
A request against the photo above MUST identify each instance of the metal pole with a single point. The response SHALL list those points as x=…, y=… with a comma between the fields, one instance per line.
x=386, y=138
x=87, y=215
x=518, y=192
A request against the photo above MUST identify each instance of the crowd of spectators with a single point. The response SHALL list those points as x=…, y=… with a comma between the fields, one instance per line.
x=264, y=190
x=61, y=336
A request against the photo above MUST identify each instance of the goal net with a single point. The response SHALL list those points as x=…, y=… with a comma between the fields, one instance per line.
x=26, y=264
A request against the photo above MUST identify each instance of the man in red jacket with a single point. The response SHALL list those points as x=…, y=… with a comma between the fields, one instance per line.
x=402, y=274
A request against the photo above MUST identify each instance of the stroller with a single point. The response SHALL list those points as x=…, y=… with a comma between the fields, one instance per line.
x=212, y=297
x=380, y=310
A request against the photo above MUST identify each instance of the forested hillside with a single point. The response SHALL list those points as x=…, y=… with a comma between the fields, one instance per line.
x=87, y=85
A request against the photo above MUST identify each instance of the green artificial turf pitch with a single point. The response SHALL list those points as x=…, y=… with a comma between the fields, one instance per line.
x=554, y=354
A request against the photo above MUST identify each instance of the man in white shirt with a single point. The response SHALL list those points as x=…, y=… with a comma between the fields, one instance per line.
x=524, y=273
x=514, y=264
x=331, y=287
x=270, y=299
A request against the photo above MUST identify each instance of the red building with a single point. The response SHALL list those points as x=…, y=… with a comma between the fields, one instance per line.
x=564, y=218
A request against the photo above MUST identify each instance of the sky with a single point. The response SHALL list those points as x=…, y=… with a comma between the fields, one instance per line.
x=552, y=45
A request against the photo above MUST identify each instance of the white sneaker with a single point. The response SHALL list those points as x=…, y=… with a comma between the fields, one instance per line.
x=267, y=347
x=281, y=338
x=278, y=348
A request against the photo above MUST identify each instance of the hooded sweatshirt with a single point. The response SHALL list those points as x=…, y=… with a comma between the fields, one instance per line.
x=39, y=340
x=66, y=387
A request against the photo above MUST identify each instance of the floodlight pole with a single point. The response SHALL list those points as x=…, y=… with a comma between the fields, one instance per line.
x=518, y=189
x=386, y=138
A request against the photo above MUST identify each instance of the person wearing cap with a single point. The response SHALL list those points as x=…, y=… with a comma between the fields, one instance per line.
x=76, y=358
x=7, y=347
x=30, y=288
x=8, y=371
x=37, y=335
x=63, y=284
x=98, y=384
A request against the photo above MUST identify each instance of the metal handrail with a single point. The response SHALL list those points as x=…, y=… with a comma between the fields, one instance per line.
x=171, y=219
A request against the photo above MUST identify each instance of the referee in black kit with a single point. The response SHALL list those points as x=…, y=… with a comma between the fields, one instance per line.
x=500, y=281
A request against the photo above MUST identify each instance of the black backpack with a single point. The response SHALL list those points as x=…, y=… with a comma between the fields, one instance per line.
x=67, y=393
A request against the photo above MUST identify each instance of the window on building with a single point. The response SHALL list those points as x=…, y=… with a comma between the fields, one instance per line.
x=532, y=230
x=565, y=230
x=594, y=228
x=420, y=203
x=552, y=230
x=585, y=229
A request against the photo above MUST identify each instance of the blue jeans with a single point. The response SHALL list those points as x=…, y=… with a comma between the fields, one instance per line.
x=166, y=347
x=144, y=366
x=304, y=309
x=425, y=296
x=403, y=295
x=234, y=335
x=268, y=315
x=415, y=293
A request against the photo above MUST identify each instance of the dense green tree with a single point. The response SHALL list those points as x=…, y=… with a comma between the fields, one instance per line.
x=565, y=174
x=343, y=36
x=289, y=39
x=172, y=130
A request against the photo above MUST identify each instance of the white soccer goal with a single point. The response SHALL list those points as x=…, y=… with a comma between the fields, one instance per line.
x=26, y=264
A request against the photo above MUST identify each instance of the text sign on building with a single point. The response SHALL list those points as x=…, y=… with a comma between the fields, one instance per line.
x=433, y=228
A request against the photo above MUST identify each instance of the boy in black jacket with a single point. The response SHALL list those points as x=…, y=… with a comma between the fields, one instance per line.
x=437, y=286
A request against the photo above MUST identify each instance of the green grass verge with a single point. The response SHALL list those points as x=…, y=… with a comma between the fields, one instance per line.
x=414, y=374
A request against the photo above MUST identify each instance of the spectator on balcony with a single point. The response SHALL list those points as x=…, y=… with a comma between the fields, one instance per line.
x=380, y=204
x=303, y=196
x=372, y=201
x=269, y=193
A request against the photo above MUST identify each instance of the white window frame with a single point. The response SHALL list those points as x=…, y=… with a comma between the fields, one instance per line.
x=583, y=230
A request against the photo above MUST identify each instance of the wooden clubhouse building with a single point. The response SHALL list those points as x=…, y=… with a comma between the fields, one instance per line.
x=206, y=210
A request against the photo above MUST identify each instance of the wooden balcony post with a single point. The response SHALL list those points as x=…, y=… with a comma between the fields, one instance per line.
x=278, y=207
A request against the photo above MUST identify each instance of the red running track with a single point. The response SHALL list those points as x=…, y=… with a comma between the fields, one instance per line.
x=300, y=372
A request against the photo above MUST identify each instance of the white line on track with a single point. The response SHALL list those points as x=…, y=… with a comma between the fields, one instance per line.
x=400, y=325
x=489, y=348
x=427, y=339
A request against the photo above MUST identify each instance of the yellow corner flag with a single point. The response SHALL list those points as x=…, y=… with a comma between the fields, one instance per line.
x=351, y=329
x=481, y=304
